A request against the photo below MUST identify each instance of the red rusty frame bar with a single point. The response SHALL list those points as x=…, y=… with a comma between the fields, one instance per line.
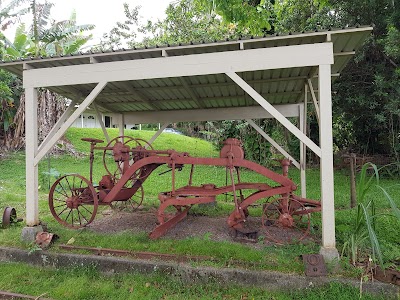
x=223, y=162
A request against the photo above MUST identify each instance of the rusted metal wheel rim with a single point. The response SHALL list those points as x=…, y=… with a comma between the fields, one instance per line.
x=9, y=216
x=286, y=214
x=114, y=169
x=73, y=201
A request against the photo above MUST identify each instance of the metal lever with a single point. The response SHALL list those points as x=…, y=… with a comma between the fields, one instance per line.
x=162, y=173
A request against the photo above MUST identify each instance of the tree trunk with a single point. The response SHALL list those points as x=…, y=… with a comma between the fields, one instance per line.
x=50, y=108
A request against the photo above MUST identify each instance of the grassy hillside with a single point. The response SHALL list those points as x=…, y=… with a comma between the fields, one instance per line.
x=181, y=143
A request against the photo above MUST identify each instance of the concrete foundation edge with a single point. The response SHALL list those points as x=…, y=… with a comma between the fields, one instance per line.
x=330, y=254
x=263, y=279
x=28, y=234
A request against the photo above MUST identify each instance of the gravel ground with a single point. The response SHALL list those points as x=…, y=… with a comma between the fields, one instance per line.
x=215, y=228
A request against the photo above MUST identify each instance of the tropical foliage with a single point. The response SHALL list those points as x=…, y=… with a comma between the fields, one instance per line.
x=366, y=96
x=363, y=239
x=45, y=37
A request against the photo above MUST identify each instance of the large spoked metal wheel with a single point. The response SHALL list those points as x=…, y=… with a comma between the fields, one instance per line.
x=73, y=201
x=133, y=203
x=115, y=168
x=285, y=220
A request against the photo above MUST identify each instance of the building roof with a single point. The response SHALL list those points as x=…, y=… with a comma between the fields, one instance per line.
x=278, y=86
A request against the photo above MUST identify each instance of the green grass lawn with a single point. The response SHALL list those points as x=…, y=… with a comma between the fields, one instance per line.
x=88, y=283
x=285, y=258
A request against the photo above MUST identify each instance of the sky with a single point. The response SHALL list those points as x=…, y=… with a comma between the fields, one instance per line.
x=103, y=14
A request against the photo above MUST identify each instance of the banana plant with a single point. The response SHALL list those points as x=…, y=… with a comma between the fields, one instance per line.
x=11, y=12
x=21, y=47
x=46, y=37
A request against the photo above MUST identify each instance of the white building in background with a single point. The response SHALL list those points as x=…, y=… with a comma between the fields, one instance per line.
x=89, y=120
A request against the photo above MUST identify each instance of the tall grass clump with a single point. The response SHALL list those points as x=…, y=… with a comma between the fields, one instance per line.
x=362, y=242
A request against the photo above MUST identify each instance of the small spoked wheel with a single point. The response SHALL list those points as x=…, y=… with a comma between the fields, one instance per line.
x=285, y=220
x=135, y=145
x=73, y=201
x=133, y=203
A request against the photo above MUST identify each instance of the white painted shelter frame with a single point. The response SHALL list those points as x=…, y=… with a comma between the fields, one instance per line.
x=230, y=63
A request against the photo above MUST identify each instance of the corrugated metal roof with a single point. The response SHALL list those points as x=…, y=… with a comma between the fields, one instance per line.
x=280, y=86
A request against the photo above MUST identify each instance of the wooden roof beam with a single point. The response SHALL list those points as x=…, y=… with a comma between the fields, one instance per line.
x=135, y=93
x=201, y=99
x=191, y=92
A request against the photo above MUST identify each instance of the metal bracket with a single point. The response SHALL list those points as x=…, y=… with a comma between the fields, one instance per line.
x=314, y=264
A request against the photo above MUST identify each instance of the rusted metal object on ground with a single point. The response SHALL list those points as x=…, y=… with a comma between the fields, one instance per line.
x=314, y=265
x=9, y=217
x=45, y=239
x=389, y=275
x=74, y=200
x=14, y=296
x=139, y=254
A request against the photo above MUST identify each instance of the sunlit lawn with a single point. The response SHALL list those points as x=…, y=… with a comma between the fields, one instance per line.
x=12, y=193
x=88, y=283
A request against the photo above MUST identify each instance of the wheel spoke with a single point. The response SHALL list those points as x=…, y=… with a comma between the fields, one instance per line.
x=294, y=206
x=69, y=185
x=63, y=211
x=55, y=199
x=83, y=206
x=59, y=205
x=286, y=202
x=133, y=143
x=298, y=221
x=68, y=214
x=65, y=197
x=73, y=182
x=301, y=229
x=66, y=193
x=81, y=214
x=59, y=191
x=270, y=215
x=301, y=224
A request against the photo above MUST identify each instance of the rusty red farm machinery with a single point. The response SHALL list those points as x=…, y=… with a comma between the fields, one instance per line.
x=74, y=199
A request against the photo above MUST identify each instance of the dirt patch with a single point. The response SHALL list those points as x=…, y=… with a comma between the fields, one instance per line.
x=213, y=228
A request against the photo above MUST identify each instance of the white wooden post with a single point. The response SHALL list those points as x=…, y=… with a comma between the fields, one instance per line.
x=274, y=112
x=303, y=147
x=100, y=118
x=31, y=139
x=122, y=125
x=315, y=100
x=328, y=249
x=273, y=143
x=160, y=130
x=59, y=123
x=79, y=111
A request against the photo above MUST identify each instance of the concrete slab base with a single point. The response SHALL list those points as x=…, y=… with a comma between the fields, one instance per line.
x=330, y=254
x=28, y=234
